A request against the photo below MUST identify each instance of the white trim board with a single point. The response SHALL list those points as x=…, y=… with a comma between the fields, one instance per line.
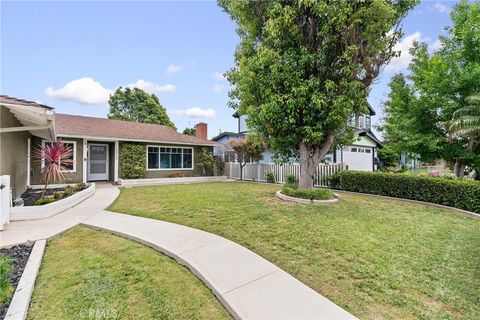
x=93, y=138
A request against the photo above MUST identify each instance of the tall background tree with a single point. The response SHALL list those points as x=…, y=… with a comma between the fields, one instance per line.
x=421, y=106
x=189, y=131
x=137, y=105
x=303, y=68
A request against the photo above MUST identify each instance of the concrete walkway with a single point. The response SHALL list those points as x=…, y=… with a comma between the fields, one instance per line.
x=17, y=232
x=249, y=286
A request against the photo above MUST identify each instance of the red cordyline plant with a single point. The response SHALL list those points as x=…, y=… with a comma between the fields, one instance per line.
x=54, y=156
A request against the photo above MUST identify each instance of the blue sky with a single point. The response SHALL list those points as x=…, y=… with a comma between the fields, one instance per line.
x=70, y=55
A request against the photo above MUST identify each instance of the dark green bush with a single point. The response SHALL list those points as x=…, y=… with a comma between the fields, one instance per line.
x=291, y=179
x=132, y=160
x=80, y=186
x=311, y=194
x=5, y=287
x=458, y=193
x=270, y=177
x=57, y=195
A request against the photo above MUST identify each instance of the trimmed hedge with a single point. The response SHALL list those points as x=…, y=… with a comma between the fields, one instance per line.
x=132, y=160
x=461, y=194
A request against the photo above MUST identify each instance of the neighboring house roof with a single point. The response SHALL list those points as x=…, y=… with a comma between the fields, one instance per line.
x=228, y=134
x=6, y=100
x=90, y=127
x=368, y=133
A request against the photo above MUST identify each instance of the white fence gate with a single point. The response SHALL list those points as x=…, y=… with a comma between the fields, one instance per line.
x=258, y=171
x=5, y=200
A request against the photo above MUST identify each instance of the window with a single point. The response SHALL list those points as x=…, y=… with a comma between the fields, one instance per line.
x=71, y=144
x=169, y=158
x=353, y=149
x=368, y=150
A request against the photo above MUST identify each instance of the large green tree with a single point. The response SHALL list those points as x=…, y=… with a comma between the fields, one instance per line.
x=303, y=68
x=420, y=107
x=137, y=105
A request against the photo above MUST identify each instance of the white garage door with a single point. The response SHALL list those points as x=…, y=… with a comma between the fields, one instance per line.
x=358, y=158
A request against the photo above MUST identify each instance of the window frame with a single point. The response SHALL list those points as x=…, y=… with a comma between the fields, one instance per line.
x=74, y=170
x=159, y=162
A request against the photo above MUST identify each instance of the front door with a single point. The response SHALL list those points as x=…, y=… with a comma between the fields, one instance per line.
x=97, y=162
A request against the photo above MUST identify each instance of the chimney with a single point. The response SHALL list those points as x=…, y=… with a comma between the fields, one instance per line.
x=201, y=130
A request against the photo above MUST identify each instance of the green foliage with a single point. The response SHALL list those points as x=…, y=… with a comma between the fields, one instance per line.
x=220, y=165
x=388, y=157
x=462, y=194
x=419, y=108
x=189, y=131
x=303, y=69
x=205, y=161
x=132, y=160
x=291, y=179
x=68, y=191
x=137, y=105
x=79, y=187
x=466, y=120
x=57, y=195
x=43, y=201
x=5, y=287
x=310, y=194
x=270, y=177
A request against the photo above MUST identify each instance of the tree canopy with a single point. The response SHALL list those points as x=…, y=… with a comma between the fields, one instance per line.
x=189, y=131
x=137, y=105
x=421, y=106
x=303, y=68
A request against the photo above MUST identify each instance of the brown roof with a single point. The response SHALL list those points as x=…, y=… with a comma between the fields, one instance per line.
x=22, y=102
x=80, y=126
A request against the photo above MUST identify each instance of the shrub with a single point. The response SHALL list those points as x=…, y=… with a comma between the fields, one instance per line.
x=458, y=193
x=5, y=287
x=132, y=160
x=68, y=191
x=220, y=165
x=270, y=177
x=79, y=187
x=291, y=179
x=175, y=175
x=311, y=194
x=57, y=195
x=42, y=201
x=205, y=161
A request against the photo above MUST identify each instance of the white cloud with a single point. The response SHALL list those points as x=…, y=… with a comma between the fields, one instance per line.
x=195, y=113
x=151, y=87
x=218, y=76
x=218, y=88
x=402, y=62
x=439, y=7
x=87, y=90
x=84, y=90
x=173, y=68
x=434, y=46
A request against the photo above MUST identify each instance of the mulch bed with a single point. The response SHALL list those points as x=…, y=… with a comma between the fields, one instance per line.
x=19, y=255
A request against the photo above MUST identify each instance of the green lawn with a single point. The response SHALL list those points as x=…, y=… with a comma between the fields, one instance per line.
x=375, y=257
x=89, y=274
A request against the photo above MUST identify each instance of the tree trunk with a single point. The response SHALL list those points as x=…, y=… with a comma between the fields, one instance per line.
x=241, y=171
x=309, y=160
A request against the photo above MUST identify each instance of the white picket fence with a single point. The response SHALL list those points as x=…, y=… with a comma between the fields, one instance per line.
x=258, y=171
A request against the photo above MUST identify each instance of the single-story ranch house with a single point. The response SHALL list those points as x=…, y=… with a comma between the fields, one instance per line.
x=96, y=144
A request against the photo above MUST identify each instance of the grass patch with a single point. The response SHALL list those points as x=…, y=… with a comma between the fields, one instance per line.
x=5, y=287
x=89, y=274
x=377, y=258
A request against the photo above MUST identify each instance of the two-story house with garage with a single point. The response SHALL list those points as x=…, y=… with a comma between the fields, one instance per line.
x=360, y=155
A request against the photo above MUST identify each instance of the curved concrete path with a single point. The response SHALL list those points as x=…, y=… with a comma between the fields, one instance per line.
x=17, y=232
x=249, y=286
